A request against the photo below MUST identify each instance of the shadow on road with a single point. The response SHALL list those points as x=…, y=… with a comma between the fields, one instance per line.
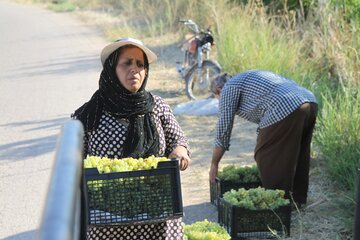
x=35, y=146
x=27, y=149
x=200, y=212
x=55, y=66
x=23, y=235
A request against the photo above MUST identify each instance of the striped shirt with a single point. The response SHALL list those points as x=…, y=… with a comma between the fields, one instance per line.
x=260, y=97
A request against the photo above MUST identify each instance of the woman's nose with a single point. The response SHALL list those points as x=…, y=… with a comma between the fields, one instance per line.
x=134, y=69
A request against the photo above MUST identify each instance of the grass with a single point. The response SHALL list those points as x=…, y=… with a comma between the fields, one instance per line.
x=338, y=135
x=62, y=6
x=256, y=42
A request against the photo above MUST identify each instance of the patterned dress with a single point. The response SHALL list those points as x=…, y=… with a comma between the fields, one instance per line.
x=107, y=141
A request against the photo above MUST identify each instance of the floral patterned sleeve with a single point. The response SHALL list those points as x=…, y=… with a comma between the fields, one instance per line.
x=174, y=135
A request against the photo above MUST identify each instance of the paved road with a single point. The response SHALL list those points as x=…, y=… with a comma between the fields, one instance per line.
x=49, y=65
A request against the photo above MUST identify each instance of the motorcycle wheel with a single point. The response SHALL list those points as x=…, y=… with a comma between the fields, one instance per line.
x=198, y=80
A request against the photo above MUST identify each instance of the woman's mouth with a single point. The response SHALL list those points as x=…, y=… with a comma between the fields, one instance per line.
x=133, y=79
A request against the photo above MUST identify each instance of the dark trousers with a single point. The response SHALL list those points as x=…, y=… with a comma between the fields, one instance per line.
x=282, y=152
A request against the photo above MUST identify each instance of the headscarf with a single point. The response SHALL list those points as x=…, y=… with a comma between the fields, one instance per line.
x=142, y=138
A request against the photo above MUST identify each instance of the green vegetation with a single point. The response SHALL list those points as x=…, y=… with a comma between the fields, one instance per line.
x=55, y=5
x=251, y=40
x=62, y=6
x=338, y=135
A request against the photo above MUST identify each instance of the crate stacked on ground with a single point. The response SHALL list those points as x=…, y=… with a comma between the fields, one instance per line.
x=255, y=212
x=234, y=177
x=122, y=191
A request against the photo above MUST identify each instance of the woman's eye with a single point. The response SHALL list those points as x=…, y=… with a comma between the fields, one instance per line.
x=130, y=62
x=140, y=64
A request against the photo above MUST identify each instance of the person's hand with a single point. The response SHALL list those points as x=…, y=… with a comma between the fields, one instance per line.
x=218, y=152
x=184, y=163
x=181, y=154
x=213, y=172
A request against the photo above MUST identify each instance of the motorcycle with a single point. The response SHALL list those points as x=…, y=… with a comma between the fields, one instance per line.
x=197, y=68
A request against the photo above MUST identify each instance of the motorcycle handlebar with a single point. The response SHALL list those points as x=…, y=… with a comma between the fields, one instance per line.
x=193, y=26
x=187, y=20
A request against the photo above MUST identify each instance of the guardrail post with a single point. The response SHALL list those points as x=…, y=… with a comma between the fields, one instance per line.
x=61, y=218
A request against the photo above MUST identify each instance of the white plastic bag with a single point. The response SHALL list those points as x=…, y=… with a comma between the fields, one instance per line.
x=204, y=107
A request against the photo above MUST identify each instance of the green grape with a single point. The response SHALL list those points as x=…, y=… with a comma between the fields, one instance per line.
x=106, y=165
x=256, y=198
x=239, y=173
x=205, y=230
x=106, y=169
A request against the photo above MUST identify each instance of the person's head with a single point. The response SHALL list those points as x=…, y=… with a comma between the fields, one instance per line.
x=132, y=62
x=218, y=83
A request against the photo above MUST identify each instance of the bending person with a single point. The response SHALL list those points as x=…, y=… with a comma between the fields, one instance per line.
x=285, y=113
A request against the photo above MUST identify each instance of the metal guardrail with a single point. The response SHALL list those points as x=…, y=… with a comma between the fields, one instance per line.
x=62, y=215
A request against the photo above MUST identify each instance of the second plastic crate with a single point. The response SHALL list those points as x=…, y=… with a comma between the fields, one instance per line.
x=243, y=223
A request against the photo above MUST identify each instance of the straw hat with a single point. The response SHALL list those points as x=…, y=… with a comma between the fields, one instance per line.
x=126, y=41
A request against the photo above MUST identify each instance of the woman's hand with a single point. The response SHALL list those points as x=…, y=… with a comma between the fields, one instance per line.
x=181, y=153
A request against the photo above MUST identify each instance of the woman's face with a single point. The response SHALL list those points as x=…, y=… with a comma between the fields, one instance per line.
x=130, y=68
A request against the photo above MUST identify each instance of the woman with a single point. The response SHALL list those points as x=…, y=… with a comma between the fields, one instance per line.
x=122, y=119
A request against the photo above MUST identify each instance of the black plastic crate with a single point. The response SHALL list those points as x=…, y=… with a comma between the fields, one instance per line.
x=243, y=223
x=134, y=196
x=219, y=187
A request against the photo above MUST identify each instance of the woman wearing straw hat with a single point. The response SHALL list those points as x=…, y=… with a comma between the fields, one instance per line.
x=122, y=119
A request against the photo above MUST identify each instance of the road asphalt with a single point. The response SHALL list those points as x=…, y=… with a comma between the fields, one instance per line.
x=49, y=66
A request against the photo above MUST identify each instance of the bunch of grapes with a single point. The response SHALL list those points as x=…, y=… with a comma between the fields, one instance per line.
x=245, y=174
x=256, y=198
x=205, y=230
x=107, y=165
